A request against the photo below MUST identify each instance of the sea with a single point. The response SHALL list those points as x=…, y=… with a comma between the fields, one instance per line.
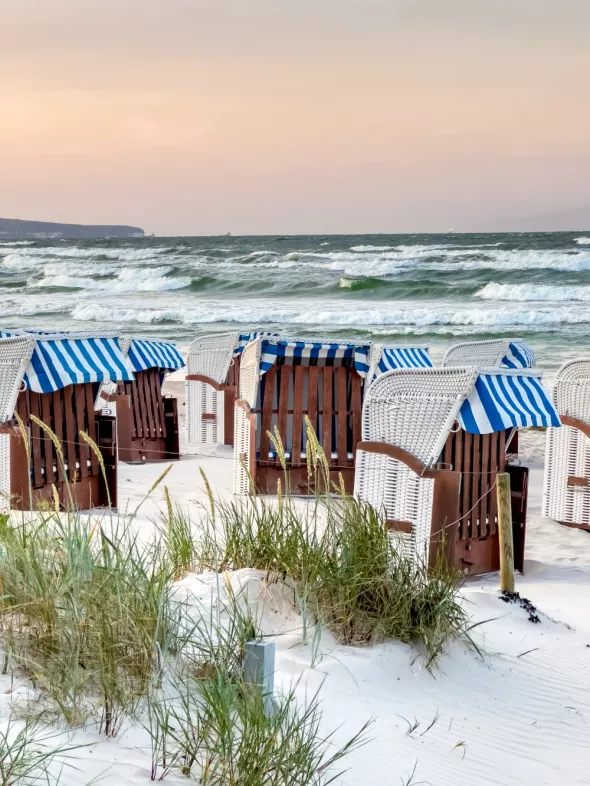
x=431, y=290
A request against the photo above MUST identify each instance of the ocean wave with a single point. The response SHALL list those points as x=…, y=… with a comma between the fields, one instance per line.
x=372, y=248
x=365, y=316
x=391, y=263
x=122, y=254
x=31, y=307
x=11, y=243
x=128, y=280
x=20, y=262
x=533, y=292
x=583, y=241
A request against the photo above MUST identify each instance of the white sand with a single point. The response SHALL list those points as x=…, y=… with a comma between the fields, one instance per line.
x=520, y=715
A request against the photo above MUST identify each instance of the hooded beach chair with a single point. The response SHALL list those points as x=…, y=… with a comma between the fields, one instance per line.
x=566, y=484
x=433, y=441
x=495, y=353
x=147, y=421
x=55, y=377
x=283, y=381
x=211, y=386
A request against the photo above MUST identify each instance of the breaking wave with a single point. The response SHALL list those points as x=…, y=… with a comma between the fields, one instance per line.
x=332, y=314
x=524, y=293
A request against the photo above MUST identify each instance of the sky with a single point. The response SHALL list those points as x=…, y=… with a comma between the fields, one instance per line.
x=191, y=117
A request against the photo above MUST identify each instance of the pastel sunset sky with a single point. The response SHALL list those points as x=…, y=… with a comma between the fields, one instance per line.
x=297, y=116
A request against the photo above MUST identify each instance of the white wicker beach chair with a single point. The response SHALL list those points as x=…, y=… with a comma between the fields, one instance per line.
x=566, y=485
x=245, y=418
x=15, y=354
x=208, y=362
x=407, y=417
x=510, y=353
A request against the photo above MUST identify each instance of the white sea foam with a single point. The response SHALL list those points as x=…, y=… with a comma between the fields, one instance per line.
x=11, y=243
x=390, y=263
x=28, y=307
x=72, y=252
x=372, y=248
x=20, y=262
x=533, y=292
x=365, y=315
x=583, y=241
x=128, y=280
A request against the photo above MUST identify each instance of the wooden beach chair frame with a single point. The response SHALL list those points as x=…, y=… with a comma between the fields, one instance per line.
x=147, y=420
x=434, y=480
x=330, y=394
x=31, y=468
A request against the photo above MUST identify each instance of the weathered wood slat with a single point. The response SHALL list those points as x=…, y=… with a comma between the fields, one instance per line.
x=147, y=398
x=157, y=393
x=36, y=450
x=297, y=436
x=485, y=485
x=267, y=405
x=49, y=456
x=285, y=373
x=58, y=422
x=141, y=406
x=327, y=375
x=341, y=415
x=492, y=496
x=458, y=455
x=475, y=486
x=127, y=389
x=467, y=482
x=448, y=452
x=356, y=408
x=91, y=427
x=82, y=448
x=70, y=421
x=312, y=397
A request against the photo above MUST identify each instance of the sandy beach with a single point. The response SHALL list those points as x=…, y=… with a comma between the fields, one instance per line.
x=517, y=714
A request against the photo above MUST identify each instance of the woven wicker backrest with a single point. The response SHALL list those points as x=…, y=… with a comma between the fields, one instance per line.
x=125, y=343
x=483, y=353
x=15, y=354
x=212, y=355
x=250, y=372
x=415, y=409
x=571, y=393
x=375, y=352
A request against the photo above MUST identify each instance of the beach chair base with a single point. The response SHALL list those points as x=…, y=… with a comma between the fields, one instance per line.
x=147, y=421
x=268, y=478
x=76, y=478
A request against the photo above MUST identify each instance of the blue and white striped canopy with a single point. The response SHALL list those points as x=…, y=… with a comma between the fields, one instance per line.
x=60, y=359
x=57, y=363
x=315, y=354
x=519, y=355
x=403, y=357
x=154, y=354
x=505, y=399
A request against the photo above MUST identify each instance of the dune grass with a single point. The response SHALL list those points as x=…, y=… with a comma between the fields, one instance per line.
x=91, y=615
x=349, y=574
x=27, y=751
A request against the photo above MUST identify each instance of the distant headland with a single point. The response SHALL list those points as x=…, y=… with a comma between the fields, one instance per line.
x=15, y=229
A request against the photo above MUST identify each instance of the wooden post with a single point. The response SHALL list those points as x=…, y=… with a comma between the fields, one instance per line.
x=259, y=670
x=505, y=532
